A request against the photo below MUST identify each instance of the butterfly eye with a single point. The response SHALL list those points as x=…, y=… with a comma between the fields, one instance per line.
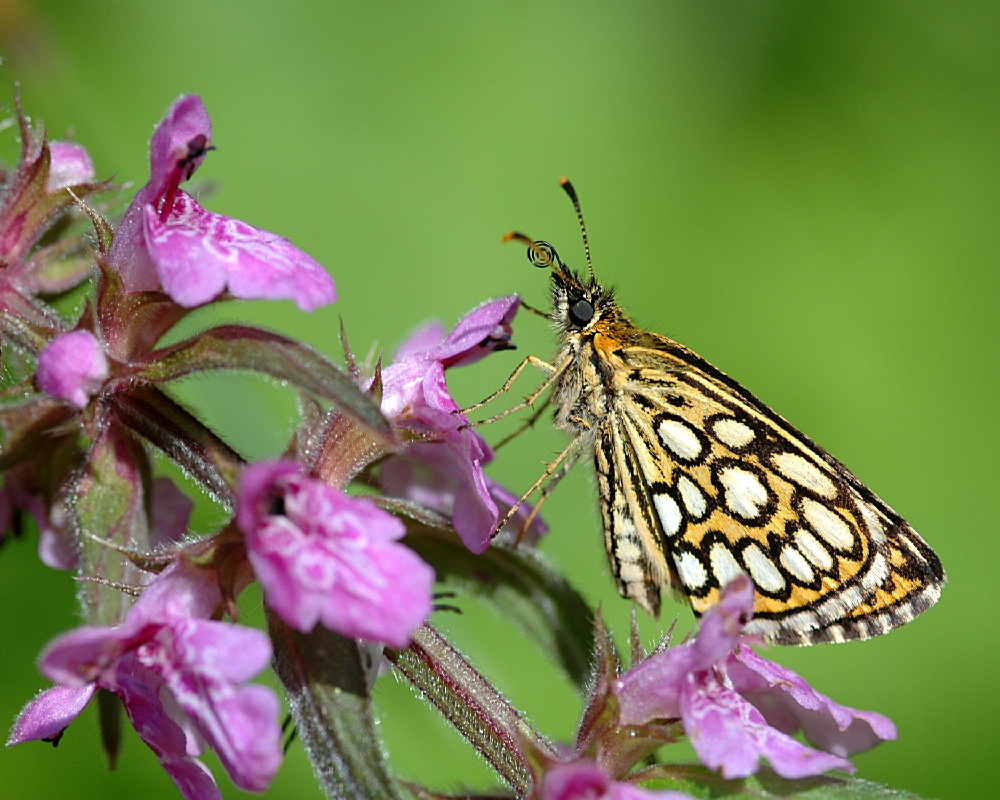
x=581, y=312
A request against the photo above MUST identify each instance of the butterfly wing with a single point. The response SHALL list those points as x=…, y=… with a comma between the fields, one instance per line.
x=700, y=480
x=633, y=535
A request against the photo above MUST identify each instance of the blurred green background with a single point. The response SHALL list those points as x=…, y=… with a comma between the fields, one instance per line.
x=805, y=193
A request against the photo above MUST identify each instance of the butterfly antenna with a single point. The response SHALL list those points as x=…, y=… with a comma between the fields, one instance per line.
x=568, y=188
x=541, y=254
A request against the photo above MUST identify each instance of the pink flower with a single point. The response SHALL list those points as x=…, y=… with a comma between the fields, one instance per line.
x=789, y=704
x=167, y=648
x=167, y=241
x=72, y=367
x=322, y=556
x=583, y=780
x=737, y=707
x=445, y=470
x=69, y=165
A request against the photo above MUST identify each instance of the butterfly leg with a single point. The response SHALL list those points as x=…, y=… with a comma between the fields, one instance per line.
x=546, y=491
x=529, y=422
x=570, y=452
x=535, y=311
x=552, y=372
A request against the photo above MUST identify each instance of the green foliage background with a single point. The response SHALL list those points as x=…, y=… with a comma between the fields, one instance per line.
x=805, y=193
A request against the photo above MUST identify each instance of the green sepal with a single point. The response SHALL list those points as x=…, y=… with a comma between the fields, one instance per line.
x=28, y=208
x=131, y=323
x=108, y=500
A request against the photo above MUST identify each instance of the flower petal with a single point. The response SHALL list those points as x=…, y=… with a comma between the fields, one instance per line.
x=789, y=704
x=322, y=556
x=652, y=689
x=72, y=367
x=184, y=130
x=730, y=735
x=477, y=334
x=139, y=692
x=198, y=253
x=49, y=713
x=70, y=164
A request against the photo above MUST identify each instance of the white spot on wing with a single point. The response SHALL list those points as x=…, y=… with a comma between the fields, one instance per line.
x=793, y=561
x=669, y=513
x=828, y=524
x=680, y=439
x=879, y=571
x=724, y=564
x=631, y=573
x=690, y=570
x=627, y=549
x=763, y=571
x=745, y=494
x=874, y=525
x=804, y=473
x=813, y=550
x=732, y=432
x=693, y=499
x=624, y=526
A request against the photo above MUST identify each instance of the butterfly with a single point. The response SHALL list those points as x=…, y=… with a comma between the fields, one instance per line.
x=700, y=481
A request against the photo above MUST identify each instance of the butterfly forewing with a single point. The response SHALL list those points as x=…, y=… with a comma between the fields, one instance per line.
x=734, y=488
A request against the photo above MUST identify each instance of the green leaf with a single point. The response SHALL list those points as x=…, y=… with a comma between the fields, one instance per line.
x=241, y=347
x=700, y=782
x=522, y=587
x=326, y=685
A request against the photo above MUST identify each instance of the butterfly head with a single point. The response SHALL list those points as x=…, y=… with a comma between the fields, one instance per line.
x=578, y=303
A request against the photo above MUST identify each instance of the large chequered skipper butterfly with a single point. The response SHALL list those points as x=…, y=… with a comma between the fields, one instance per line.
x=699, y=481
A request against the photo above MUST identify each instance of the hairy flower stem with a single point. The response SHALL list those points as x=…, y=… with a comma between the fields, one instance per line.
x=328, y=697
x=473, y=706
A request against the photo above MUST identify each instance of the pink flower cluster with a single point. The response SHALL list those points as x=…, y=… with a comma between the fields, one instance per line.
x=180, y=677
x=322, y=556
